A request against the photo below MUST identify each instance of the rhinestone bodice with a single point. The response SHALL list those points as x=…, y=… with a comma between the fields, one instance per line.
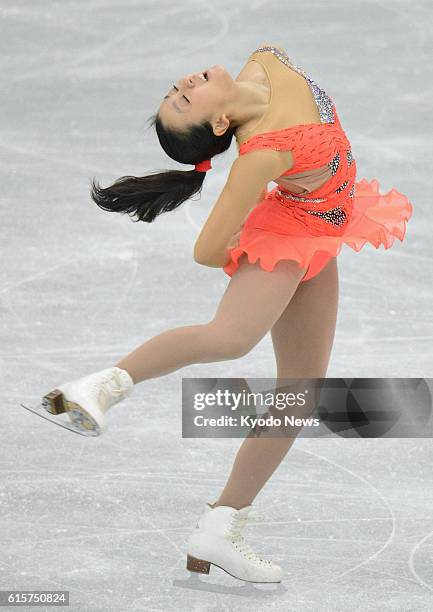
x=313, y=145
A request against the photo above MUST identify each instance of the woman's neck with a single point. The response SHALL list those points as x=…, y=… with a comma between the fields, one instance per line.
x=251, y=102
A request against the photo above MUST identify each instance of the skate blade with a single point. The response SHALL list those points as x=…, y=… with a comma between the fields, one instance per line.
x=76, y=426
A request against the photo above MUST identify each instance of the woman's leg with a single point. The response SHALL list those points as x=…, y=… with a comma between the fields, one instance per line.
x=253, y=301
x=302, y=339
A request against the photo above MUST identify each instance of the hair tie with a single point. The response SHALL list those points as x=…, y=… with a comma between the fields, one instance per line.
x=203, y=166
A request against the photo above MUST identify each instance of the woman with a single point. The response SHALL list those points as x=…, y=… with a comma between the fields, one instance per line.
x=279, y=248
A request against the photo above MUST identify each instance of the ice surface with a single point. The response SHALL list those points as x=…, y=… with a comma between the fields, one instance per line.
x=351, y=522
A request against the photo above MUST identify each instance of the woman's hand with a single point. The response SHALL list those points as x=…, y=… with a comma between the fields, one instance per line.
x=234, y=241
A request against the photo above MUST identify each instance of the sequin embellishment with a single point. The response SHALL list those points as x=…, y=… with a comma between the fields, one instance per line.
x=343, y=186
x=335, y=216
x=289, y=196
x=334, y=163
x=323, y=101
x=349, y=157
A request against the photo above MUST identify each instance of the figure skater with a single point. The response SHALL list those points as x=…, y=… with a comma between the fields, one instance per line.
x=279, y=248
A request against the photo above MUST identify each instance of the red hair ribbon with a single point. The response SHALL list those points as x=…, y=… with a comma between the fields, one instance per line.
x=203, y=166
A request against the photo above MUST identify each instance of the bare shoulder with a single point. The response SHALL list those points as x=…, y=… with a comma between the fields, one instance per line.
x=261, y=165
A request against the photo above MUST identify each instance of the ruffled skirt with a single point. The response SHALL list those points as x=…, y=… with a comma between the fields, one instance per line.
x=271, y=233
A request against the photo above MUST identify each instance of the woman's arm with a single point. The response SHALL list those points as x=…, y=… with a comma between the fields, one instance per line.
x=245, y=187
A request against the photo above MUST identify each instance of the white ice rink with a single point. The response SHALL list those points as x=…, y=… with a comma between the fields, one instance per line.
x=350, y=520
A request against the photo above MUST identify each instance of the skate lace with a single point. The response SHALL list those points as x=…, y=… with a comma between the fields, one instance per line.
x=237, y=525
x=107, y=387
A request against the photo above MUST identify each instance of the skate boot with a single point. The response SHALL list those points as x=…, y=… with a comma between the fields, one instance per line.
x=87, y=400
x=217, y=540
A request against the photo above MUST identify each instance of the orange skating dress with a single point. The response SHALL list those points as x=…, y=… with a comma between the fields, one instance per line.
x=312, y=228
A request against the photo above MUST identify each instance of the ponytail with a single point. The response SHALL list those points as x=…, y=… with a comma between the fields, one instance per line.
x=148, y=196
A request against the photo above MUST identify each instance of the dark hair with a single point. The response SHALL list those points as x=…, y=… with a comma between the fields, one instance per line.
x=149, y=196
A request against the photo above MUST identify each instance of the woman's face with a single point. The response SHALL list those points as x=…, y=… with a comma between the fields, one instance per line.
x=194, y=99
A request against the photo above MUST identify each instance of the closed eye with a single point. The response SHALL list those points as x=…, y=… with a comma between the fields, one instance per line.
x=182, y=96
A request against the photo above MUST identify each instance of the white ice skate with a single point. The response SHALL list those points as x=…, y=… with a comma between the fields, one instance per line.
x=86, y=400
x=217, y=540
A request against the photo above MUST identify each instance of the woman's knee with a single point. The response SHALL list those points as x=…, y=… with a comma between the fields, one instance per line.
x=229, y=343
